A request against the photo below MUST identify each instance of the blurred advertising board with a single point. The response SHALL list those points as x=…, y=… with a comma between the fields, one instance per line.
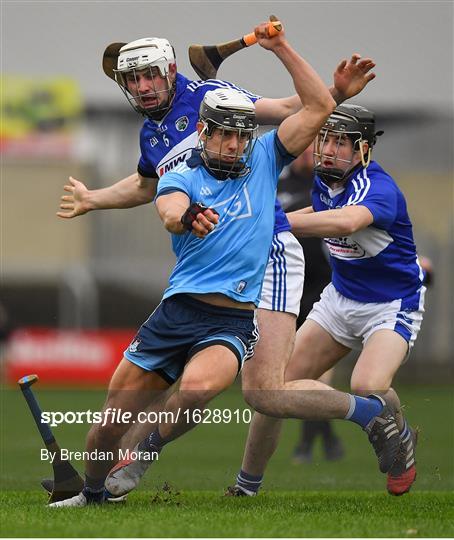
x=65, y=357
x=39, y=116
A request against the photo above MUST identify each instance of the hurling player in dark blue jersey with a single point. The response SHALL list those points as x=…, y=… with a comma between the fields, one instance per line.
x=375, y=302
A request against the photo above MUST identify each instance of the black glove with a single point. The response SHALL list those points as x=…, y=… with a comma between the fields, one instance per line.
x=188, y=218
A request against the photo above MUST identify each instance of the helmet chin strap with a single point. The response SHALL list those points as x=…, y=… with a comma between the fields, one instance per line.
x=230, y=170
x=330, y=176
x=365, y=161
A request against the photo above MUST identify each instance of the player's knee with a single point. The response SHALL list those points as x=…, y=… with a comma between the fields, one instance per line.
x=197, y=391
x=262, y=401
x=262, y=381
x=364, y=386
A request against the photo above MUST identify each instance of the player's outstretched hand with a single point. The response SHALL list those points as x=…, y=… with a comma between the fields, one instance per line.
x=263, y=37
x=351, y=76
x=76, y=203
x=205, y=223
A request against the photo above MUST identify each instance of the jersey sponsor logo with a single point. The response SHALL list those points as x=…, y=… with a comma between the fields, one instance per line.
x=205, y=191
x=344, y=248
x=174, y=161
x=182, y=123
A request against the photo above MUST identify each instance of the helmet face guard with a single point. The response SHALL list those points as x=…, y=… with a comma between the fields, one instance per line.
x=342, y=165
x=143, y=102
x=226, y=112
x=358, y=125
x=148, y=58
x=225, y=164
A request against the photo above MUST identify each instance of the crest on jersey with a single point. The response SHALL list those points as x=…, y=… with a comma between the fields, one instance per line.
x=134, y=345
x=182, y=123
x=238, y=206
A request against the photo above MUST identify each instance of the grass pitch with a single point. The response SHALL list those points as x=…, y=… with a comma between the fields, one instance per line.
x=321, y=499
x=208, y=514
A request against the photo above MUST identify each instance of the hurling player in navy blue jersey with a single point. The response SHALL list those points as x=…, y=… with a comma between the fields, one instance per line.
x=375, y=302
x=204, y=329
x=146, y=72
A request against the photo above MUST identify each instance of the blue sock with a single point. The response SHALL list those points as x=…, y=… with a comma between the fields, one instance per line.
x=362, y=410
x=249, y=482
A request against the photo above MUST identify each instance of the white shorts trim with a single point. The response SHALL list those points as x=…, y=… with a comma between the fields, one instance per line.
x=352, y=323
x=284, y=276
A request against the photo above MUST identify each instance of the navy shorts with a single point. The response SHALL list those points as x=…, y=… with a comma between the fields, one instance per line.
x=181, y=326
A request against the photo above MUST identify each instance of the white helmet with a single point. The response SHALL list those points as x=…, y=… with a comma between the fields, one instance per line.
x=228, y=109
x=146, y=54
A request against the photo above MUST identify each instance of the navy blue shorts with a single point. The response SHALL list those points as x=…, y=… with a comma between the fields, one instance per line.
x=181, y=326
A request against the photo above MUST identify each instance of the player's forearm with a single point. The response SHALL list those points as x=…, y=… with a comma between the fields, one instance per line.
x=336, y=95
x=127, y=193
x=170, y=211
x=306, y=210
x=325, y=224
x=173, y=224
x=274, y=111
x=311, y=90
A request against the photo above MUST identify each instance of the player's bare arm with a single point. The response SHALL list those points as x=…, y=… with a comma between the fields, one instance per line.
x=298, y=131
x=349, y=79
x=306, y=210
x=171, y=209
x=330, y=223
x=134, y=190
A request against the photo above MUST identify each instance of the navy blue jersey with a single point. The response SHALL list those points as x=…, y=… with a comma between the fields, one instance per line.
x=378, y=263
x=169, y=142
x=231, y=259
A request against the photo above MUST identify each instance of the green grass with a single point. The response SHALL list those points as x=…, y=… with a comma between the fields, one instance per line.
x=202, y=514
x=344, y=498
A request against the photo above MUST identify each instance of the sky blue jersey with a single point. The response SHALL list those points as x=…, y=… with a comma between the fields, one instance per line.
x=169, y=142
x=232, y=259
x=378, y=263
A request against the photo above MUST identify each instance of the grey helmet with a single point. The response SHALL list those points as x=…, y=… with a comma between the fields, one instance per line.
x=227, y=109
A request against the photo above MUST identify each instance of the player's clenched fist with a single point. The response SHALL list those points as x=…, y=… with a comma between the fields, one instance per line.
x=267, y=36
x=76, y=203
x=199, y=219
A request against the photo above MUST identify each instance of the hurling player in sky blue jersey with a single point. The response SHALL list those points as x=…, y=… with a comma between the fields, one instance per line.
x=204, y=328
x=375, y=302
